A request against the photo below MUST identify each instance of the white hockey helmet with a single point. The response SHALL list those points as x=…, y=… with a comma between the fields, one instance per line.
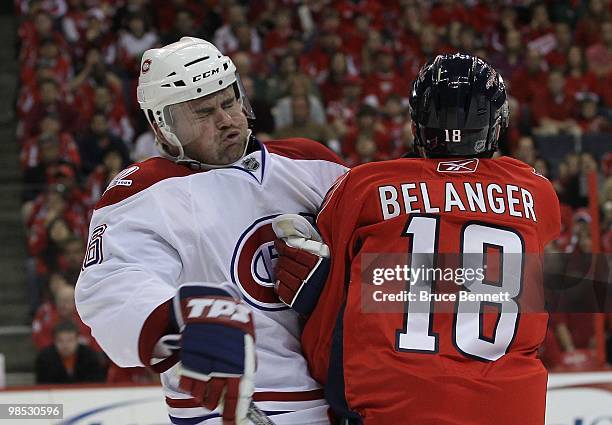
x=185, y=70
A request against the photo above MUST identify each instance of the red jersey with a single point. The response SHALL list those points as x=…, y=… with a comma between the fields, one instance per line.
x=473, y=363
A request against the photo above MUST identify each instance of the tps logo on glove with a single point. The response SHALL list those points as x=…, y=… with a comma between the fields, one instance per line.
x=213, y=308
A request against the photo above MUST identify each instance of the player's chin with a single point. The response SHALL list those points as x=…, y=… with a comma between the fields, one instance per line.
x=232, y=152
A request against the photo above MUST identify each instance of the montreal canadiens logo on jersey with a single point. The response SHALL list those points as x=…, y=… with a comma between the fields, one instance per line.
x=253, y=261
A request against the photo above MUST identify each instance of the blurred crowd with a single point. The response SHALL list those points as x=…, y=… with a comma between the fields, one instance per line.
x=336, y=71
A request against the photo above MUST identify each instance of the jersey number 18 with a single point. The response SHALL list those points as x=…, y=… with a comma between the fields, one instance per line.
x=417, y=334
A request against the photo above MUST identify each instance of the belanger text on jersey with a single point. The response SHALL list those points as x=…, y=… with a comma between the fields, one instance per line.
x=459, y=197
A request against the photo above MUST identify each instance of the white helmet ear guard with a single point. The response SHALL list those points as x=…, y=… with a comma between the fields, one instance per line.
x=179, y=72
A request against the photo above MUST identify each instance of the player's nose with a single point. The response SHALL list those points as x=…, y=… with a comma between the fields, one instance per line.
x=222, y=118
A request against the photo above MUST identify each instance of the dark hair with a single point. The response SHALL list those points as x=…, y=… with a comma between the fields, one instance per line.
x=65, y=326
x=367, y=111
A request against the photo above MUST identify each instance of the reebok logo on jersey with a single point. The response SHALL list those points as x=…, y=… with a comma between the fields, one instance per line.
x=120, y=179
x=459, y=166
x=217, y=308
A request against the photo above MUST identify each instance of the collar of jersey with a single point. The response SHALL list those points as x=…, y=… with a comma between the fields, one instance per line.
x=254, y=146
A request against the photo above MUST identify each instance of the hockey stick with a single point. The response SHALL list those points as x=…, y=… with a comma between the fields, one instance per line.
x=258, y=417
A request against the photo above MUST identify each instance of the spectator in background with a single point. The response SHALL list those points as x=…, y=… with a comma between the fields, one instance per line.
x=187, y=17
x=370, y=127
x=66, y=361
x=278, y=82
x=74, y=23
x=364, y=150
x=298, y=85
x=51, y=102
x=50, y=155
x=98, y=180
x=247, y=40
x=61, y=177
x=385, y=80
x=33, y=32
x=541, y=167
x=60, y=309
x=54, y=219
x=119, y=122
x=557, y=57
x=225, y=37
x=99, y=36
x=316, y=62
x=553, y=109
x=97, y=141
x=397, y=125
x=539, y=33
x=94, y=74
x=29, y=92
x=48, y=54
x=246, y=67
x=264, y=124
x=184, y=25
x=133, y=41
x=144, y=147
x=49, y=131
x=589, y=118
x=430, y=45
x=510, y=60
x=342, y=114
x=529, y=78
x=577, y=77
x=71, y=259
x=588, y=27
x=600, y=63
x=303, y=126
x=276, y=40
x=525, y=150
x=331, y=86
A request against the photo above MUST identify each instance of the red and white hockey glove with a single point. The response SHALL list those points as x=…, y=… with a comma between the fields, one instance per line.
x=303, y=262
x=217, y=348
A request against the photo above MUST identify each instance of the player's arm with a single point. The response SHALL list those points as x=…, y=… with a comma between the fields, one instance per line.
x=304, y=257
x=127, y=293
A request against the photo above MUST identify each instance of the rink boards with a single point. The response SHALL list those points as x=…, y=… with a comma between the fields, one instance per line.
x=573, y=399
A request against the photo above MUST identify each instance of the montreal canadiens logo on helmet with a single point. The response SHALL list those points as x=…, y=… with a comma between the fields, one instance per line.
x=253, y=261
x=146, y=65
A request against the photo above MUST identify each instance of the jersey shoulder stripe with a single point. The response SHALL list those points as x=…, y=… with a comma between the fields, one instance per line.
x=300, y=148
x=139, y=177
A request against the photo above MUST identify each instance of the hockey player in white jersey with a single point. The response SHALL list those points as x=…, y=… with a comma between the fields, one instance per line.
x=177, y=271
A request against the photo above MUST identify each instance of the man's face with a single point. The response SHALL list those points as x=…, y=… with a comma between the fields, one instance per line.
x=99, y=125
x=301, y=110
x=73, y=254
x=66, y=343
x=64, y=302
x=212, y=129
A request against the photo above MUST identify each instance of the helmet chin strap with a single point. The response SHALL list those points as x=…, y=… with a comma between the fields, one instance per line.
x=197, y=165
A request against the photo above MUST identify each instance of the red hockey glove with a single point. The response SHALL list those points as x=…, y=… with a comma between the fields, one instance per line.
x=303, y=263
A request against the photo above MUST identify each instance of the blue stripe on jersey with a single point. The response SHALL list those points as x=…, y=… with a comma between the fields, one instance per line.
x=334, y=389
x=198, y=419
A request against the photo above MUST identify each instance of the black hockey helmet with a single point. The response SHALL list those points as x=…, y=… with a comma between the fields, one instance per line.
x=458, y=107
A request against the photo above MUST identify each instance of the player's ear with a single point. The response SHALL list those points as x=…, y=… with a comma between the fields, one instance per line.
x=168, y=147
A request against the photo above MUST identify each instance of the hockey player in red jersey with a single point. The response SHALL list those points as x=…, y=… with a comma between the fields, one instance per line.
x=466, y=361
x=178, y=270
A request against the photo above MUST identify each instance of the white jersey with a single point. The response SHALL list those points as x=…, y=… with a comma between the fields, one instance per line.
x=160, y=225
